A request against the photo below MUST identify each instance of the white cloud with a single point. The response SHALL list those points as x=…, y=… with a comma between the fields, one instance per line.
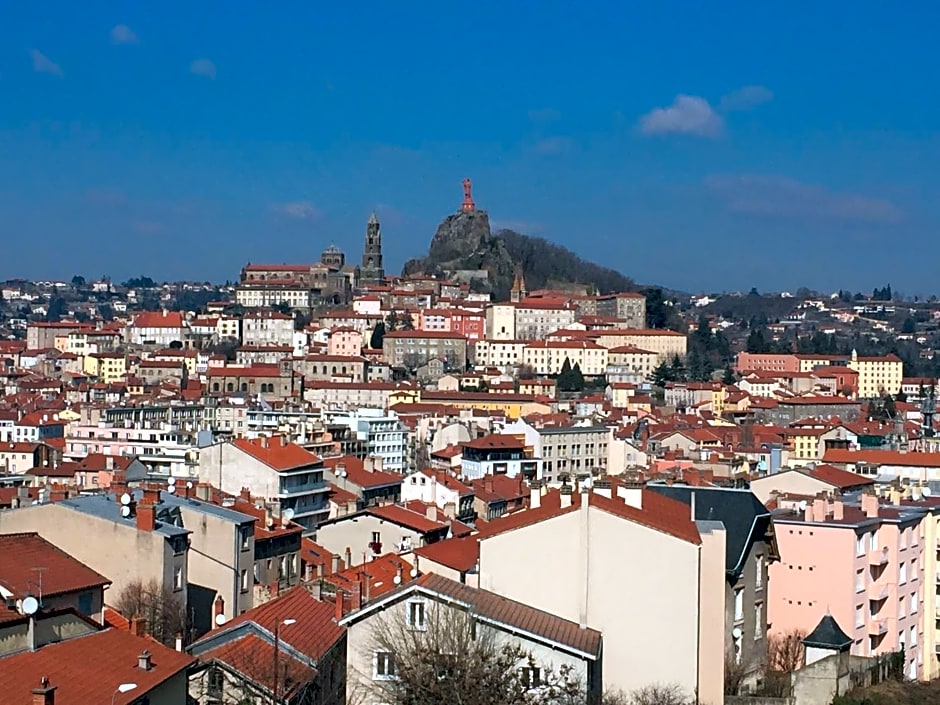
x=298, y=210
x=785, y=198
x=745, y=98
x=203, y=67
x=43, y=64
x=122, y=34
x=688, y=115
x=553, y=145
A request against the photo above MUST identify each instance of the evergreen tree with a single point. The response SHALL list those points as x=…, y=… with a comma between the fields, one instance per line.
x=728, y=377
x=565, y=378
x=678, y=369
x=662, y=374
x=757, y=341
x=577, y=379
x=378, y=335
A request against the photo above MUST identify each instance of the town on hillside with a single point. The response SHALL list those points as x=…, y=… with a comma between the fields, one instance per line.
x=325, y=483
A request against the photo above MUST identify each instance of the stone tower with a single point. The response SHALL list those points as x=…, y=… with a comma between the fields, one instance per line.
x=372, y=271
x=518, y=291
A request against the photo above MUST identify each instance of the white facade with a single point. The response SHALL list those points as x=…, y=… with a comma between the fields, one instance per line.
x=384, y=436
x=268, y=329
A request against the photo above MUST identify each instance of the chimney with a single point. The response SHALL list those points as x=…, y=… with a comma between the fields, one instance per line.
x=179, y=642
x=338, y=604
x=431, y=512
x=601, y=487
x=535, y=494
x=870, y=505
x=692, y=506
x=308, y=571
x=356, y=596
x=146, y=517
x=151, y=496
x=245, y=493
x=631, y=492
x=488, y=483
x=143, y=661
x=204, y=492
x=565, y=492
x=819, y=507
x=450, y=510
x=44, y=694
x=137, y=625
x=275, y=588
x=264, y=441
x=218, y=611
x=348, y=557
x=335, y=564
x=838, y=509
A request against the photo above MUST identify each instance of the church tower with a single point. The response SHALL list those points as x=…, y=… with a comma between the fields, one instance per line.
x=518, y=291
x=372, y=271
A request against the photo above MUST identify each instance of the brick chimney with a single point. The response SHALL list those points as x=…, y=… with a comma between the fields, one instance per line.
x=334, y=560
x=348, y=557
x=275, y=588
x=45, y=693
x=218, y=610
x=151, y=495
x=146, y=517
x=245, y=493
x=338, y=603
x=356, y=596
x=137, y=625
x=144, y=662
x=488, y=483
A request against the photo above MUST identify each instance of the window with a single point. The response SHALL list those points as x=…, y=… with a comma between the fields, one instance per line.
x=215, y=683
x=913, y=603
x=738, y=604
x=859, y=580
x=859, y=616
x=245, y=533
x=902, y=575
x=417, y=618
x=913, y=641
x=85, y=601
x=383, y=666
x=759, y=572
x=531, y=677
x=244, y=580
x=759, y=621
x=178, y=578
x=873, y=540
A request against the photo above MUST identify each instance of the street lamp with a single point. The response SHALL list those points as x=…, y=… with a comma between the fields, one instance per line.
x=123, y=688
x=277, y=644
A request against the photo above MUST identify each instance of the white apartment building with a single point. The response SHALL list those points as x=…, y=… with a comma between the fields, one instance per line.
x=267, y=328
x=383, y=435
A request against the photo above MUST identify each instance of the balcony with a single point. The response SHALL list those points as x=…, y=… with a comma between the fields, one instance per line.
x=877, y=593
x=878, y=558
x=305, y=488
x=877, y=627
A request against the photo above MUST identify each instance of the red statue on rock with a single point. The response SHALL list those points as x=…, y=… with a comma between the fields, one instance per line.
x=468, y=204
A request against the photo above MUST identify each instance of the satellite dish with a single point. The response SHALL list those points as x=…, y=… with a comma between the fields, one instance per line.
x=125, y=499
x=189, y=485
x=125, y=511
x=397, y=580
x=414, y=573
x=802, y=505
x=736, y=632
x=171, y=489
x=926, y=492
x=30, y=605
x=287, y=514
x=171, y=481
x=219, y=620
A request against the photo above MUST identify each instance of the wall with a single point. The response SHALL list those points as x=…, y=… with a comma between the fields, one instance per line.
x=355, y=533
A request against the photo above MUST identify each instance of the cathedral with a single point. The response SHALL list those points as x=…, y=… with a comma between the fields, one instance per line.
x=329, y=282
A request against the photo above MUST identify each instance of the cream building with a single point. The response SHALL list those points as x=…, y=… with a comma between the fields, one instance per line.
x=500, y=322
x=877, y=375
x=636, y=567
x=665, y=343
x=547, y=357
x=108, y=367
x=503, y=354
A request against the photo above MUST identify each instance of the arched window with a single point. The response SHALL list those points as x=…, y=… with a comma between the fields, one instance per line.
x=215, y=387
x=244, y=386
x=230, y=387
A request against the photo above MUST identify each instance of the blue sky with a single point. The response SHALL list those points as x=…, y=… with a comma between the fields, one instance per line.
x=702, y=146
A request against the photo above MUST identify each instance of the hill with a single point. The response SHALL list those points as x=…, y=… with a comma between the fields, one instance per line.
x=465, y=249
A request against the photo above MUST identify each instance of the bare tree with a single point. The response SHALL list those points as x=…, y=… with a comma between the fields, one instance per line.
x=159, y=605
x=784, y=656
x=457, y=660
x=659, y=694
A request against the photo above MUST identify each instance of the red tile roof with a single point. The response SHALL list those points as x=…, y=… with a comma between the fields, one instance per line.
x=315, y=632
x=840, y=478
x=21, y=553
x=253, y=656
x=68, y=666
x=659, y=512
x=159, y=319
x=374, y=578
x=357, y=474
x=882, y=457
x=460, y=554
x=495, y=441
x=276, y=453
x=405, y=517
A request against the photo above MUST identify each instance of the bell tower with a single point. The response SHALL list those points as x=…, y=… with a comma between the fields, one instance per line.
x=372, y=271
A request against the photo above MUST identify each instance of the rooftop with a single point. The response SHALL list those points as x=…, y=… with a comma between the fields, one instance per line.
x=22, y=554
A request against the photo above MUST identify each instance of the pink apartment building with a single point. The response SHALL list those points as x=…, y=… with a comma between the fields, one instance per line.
x=345, y=341
x=862, y=563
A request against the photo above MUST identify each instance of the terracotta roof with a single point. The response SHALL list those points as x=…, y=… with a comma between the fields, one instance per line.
x=495, y=441
x=460, y=554
x=315, y=632
x=159, y=319
x=498, y=488
x=375, y=578
x=67, y=666
x=658, y=513
x=405, y=517
x=252, y=656
x=276, y=453
x=21, y=553
x=840, y=478
x=358, y=475
x=882, y=457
